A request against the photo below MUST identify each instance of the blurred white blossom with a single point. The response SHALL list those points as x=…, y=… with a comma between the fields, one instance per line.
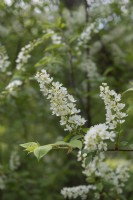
x=14, y=161
x=4, y=59
x=12, y=86
x=79, y=191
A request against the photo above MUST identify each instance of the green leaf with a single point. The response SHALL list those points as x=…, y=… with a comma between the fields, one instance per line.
x=85, y=130
x=99, y=186
x=124, y=143
x=60, y=143
x=129, y=90
x=54, y=46
x=131, y=146
x=76, y=144
x=68, y=137
x=128, y=93
x=77, y=137
x=88, y=159
x=42, y=151
x=30, y=146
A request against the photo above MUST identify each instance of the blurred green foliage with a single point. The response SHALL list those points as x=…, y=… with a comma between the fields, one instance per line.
x=25, y=116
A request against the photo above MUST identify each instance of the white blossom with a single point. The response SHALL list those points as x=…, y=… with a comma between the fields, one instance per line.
x=12, y=86
x=2, y=182
x=24, y=54
x=14, y=161
x=78, y=191
x=96, y=137
x=86, y=34
x=90, y=68
x=4, y=59
x=61, y=103
x=114, y=114
x=23, y=57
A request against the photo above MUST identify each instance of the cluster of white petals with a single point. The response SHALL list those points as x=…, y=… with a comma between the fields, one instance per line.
x=114, y=114
x=98, y=168
x=2, y=182
x=23, y=57
x=96, y=137
x=3, y=179
x=61, y=103
x=24, y=54
x=91, y=69
x=4, y=59
x=78, y=191
x=56, y=39
x=86, y=34
x=12, y=86
x=14, y=161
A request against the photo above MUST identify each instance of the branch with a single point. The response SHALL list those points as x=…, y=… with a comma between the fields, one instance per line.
x=120, y=150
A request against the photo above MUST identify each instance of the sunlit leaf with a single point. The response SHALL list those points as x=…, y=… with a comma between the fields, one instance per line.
x=42, y=151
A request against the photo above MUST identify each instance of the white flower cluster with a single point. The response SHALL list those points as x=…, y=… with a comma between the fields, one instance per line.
x=95, y=140
x=114, y=114
x=121, y=176
x=24, y=54
x=99, y=168
x=23, y=57
x=4, y=59
x=61, y=103
x=12, y=86
x=91, y=70
x=2, y=179
x=14, y=161
x=86, y=34
x=79, y=191
x=95, y=137
x=56, y=39
x=2, y=182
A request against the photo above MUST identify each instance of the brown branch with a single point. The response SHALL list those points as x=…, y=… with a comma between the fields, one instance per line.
x=120, y=150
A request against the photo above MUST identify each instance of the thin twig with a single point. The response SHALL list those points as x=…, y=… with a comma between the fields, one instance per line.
x=120, y=150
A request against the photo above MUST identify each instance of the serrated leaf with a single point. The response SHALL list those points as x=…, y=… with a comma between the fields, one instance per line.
x=77, y=137
x=76, y=144
x=124, y=143
x=42, y=151
x=30, y=146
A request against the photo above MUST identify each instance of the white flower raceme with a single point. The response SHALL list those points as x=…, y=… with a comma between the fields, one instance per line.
x=4, y=59
x=14, y=161
x=24, y=54
x=86, y=34
x=98, y=168
x=23, y=57
x=114, y=114
x=61, y=103
x=56, y=39
x=79, y=191
x=96, y=137
x=12, y=86
x=2, y=182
